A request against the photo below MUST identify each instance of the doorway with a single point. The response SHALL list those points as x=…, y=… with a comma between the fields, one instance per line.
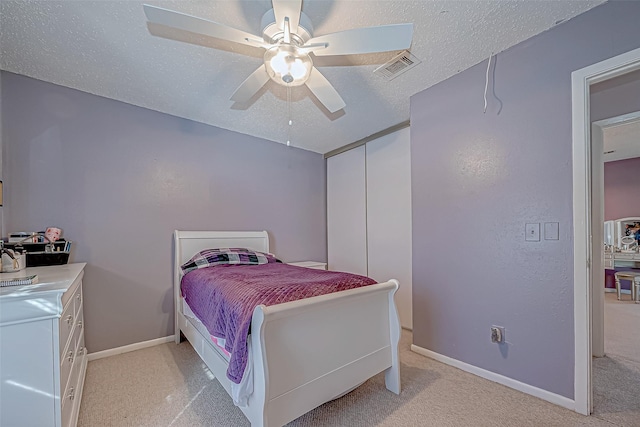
x=613, y=139
x=588, y=234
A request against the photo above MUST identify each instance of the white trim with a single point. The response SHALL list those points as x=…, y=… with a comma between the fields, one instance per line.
x=582, y=253
x=597, y=273
x=500, y=379
x=127, y=348
x=624, y=119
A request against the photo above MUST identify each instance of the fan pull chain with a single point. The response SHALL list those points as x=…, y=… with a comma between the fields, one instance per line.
x=290, y=120
x=486, y=83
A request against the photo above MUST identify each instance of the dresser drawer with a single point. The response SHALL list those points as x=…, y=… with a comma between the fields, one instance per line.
x=78, y=331
x=625, y=256
x=81, y=351
x=77, y=301
x=66, y=323
x=68, y=320
x=71, y=393
x=66, y=362
x=68, y=399
x=72, y=353
x=67, y=410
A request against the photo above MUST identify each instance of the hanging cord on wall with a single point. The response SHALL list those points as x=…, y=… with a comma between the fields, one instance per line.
x=289, y=114
x=486, y=83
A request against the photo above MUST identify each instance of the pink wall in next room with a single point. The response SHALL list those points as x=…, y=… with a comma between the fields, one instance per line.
x=622, y=189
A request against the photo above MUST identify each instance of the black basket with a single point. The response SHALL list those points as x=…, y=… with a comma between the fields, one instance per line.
x=36, y=255
x=40, y=259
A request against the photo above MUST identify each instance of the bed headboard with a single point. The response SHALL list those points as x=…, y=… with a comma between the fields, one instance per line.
x=188, y=243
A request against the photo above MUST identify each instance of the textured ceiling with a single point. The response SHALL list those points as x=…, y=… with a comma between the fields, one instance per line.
x=105, y=48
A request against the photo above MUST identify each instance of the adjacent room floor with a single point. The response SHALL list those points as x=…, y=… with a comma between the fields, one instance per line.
x=616, y=377
x=168, y=385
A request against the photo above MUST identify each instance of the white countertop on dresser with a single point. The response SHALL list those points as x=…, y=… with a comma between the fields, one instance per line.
x=40, y=300
x=53, y=278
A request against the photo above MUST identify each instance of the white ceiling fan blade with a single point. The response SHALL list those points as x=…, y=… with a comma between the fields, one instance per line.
x=181, y=21
x=366, y=40
x=251, y=85
x=322, y=89
x=287, y=8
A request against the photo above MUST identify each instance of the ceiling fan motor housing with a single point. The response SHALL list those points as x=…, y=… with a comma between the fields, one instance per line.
x=272, y=33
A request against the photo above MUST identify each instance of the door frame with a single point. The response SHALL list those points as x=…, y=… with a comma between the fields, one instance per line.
x=583, y=254
x=597, y=226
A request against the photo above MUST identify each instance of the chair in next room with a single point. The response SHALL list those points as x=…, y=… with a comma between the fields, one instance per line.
x=634, y=278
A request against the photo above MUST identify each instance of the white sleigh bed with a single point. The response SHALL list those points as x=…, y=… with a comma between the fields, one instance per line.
x=295, y=365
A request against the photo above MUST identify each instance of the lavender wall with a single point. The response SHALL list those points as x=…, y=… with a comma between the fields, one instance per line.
x=622, y=189
x=119, y=179
x=478, y=178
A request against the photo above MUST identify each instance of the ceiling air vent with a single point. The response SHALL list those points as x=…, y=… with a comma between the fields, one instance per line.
x=398, y=65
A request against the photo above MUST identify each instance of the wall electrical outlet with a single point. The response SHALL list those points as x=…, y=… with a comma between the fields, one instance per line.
x=497, y=334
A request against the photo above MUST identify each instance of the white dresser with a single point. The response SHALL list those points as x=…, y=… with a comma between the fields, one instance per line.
x=42, y=354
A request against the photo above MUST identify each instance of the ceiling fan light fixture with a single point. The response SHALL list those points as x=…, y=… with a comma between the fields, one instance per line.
x=287, y=65
x=287, y=37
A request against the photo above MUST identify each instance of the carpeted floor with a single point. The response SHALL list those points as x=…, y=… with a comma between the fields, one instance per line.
x=616, y=377
x=168, y=385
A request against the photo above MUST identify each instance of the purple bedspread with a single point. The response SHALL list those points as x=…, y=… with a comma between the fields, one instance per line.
x=223, y=297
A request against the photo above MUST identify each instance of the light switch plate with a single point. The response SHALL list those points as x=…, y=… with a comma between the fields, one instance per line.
x=532, y=232
x=551, y=231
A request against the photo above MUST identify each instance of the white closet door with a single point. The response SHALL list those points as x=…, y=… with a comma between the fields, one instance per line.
x=346, y=212
x=389, y=215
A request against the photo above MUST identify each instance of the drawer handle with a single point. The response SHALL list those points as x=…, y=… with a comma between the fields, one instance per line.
x=78, y=297
x=80, y=324
x=81, y=351
x=71, y=395
x=70, y=356
x=69, y=319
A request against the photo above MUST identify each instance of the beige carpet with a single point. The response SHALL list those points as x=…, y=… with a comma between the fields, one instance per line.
x=616, y=377
x=622, y=327
x=168, y=385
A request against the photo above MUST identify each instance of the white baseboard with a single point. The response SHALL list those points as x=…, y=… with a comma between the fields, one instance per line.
x=127, y=348
x=500, y=379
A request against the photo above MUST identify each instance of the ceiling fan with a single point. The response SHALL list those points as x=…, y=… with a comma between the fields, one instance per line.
x=289, y=46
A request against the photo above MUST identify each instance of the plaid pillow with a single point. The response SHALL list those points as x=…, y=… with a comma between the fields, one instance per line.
x=218, y=256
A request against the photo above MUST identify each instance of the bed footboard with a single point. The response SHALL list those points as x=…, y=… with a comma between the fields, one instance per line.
x=310, y=351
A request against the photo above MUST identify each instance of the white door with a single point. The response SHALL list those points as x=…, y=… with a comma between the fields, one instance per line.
x=346, y=212
x=388, y=162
